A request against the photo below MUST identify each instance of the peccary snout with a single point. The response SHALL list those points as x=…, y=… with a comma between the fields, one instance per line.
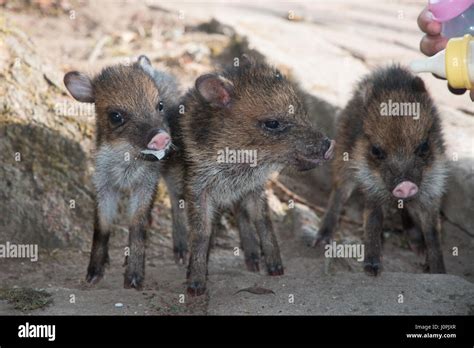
x=308, y=157
x=405, y=189
x=160, y=141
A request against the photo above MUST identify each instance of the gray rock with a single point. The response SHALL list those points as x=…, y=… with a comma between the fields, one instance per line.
x=45, y=187
x=302, y=223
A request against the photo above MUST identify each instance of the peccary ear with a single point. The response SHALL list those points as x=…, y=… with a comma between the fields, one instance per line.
x=80, y=86
x=418, y=85
x=215, y=89
x=144, y=60
x=145, y=64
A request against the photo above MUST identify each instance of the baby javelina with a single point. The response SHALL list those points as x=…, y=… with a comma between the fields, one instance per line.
x=390, y=146
x=250, y=107
x=132, y=136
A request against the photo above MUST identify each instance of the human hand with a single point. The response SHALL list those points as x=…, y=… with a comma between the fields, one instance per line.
x=433, y=42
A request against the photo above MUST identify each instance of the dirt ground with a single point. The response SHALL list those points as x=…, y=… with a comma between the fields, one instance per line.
x=87, y=36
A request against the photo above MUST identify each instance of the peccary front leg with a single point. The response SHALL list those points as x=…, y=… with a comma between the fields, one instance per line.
x=256, y=206
x=180, y=231
x=179, y=216
x=373, y=223
x=141, y=203
x=135, y=271
x=216, y=228
x=248, y=236
x=339, y=196
x=104, y=215
x=413, y=233
x=428, y=222
x=200, y=217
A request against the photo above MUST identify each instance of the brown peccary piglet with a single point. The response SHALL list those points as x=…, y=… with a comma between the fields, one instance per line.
x=132, y=134
x=248, y=107
x=390, y=146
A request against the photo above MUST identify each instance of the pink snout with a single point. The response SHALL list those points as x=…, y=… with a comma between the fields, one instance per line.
x=405, y=189
x=159, y=142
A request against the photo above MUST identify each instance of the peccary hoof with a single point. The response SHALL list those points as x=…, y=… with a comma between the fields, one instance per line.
x=372, y=266
x=94, y=275
x=180, y=255
x=196, y=288
x=96, y=268
x=133, y=281
x=322, y=238
x=435, y=268
x=253, y=264
x=275, y=270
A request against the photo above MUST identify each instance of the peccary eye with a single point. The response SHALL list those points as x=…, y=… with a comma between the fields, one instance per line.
x=160, y=106
x=115, y=118
x=377, y=152
x=278, y=76
x=422, y=149
x=272, y=125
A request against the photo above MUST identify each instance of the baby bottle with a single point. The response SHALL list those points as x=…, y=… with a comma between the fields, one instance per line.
x=456, y=16
x=455, y=63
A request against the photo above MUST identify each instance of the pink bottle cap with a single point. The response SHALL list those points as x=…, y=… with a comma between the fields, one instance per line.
x=444, y=10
